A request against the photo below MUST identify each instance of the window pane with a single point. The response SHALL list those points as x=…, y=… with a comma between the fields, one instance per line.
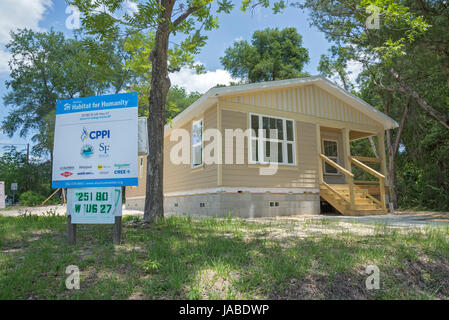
x=255, y=124
x=274, y=124
x=290, y=153
x=330, y=148
x=267, y=151
x=197, y=132
x=280, y=153
x=266, y=126
x=289, y=130
x=197, y=159
x=270, y=148
x=254, y=150
x=280, y=127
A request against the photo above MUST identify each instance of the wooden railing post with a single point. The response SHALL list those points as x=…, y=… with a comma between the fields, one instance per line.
x=351, y=191
x=320, y=161
x=382, y=192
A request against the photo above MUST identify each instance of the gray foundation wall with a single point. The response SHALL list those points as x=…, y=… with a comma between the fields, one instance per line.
x=243, y=205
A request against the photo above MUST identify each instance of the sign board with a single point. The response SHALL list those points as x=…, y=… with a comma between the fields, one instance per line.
x=14, y=186
x=94, y=205
x=2, y=195
x=95, y=142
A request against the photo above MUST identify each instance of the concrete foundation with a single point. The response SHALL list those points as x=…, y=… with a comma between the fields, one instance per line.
x=243, y=205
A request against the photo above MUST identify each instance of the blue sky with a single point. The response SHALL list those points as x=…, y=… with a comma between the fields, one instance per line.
x=46, y=14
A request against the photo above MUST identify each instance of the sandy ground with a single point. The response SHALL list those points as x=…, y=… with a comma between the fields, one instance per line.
x=57, y=209
x=399, y=218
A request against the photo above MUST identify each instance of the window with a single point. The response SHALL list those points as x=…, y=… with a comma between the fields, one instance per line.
x=197, y=143
x=141, y=167
x=330, y=149
x=261, y=147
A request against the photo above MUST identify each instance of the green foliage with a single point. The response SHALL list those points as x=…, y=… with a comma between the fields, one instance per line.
x=408, y=49
x=31, y=198
x=45, y=66
x=272, y=55
x=33, y=176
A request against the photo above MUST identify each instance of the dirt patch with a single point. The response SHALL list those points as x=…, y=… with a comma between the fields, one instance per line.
x=425, y=274
x=319, y=287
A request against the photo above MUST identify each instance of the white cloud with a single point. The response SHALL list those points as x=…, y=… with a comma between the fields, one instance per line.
x=353, y=69
x=131, y=7
x=16, y=14
x=191, y=81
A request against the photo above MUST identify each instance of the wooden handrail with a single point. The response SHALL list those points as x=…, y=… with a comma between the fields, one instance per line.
x=335, y=192
x=366, y=168
x=381, y=178
x=336, y=165
x=367, y=159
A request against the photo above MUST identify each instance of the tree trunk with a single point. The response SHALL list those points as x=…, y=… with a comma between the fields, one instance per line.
x=160, y=83
x=392, y=151
x=391, y=172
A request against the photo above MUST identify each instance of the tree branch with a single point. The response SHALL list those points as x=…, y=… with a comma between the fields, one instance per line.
x=421, y=102
x=184, y=15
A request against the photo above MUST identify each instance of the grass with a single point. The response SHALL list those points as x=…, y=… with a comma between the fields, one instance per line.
x=212, y=258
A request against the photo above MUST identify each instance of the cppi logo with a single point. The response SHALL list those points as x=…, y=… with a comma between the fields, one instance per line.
x=95, y=134
x=66, y=174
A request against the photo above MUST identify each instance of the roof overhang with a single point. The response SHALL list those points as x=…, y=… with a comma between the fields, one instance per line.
x=211, y=97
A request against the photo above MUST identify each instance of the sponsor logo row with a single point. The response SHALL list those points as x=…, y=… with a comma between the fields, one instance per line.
x=120, y=169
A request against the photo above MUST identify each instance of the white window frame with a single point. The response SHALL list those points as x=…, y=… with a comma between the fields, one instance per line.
x=337, y=160
x=141, y=167
x=261, y=140
x=197, y=144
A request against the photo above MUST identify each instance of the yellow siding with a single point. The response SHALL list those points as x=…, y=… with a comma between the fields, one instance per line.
x=182, y=177
x=139, y=190
x=303, y=175
x=308, y=100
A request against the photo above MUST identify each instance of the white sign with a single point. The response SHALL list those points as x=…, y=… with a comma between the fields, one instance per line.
x=95, y=142
x=14, y=186
x=94, y=205
x=2, y=195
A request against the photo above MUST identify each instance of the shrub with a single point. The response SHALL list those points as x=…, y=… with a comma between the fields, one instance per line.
x=31, y=198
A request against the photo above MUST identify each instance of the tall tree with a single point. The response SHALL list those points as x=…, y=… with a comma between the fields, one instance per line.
x=163, y=19
x=404, y=58
x=273, y=54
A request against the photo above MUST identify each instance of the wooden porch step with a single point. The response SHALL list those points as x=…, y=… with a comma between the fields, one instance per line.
x=363, y=205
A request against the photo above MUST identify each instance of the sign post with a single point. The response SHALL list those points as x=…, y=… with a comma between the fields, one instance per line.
x=95, y=155
x=2, y=195
x=13, y=189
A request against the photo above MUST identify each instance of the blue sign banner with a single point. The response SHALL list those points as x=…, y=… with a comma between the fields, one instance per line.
x=86, y=104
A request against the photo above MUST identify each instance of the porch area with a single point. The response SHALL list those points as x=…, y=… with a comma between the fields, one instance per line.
x=353, y=185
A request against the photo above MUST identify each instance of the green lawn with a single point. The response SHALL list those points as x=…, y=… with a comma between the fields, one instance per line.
x=211, y=258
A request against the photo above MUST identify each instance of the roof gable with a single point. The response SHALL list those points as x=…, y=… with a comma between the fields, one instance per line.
x=315, y=96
